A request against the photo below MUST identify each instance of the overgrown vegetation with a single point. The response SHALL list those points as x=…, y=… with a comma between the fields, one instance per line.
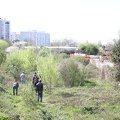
x=115, y=55
x=72, y=88
x=89, y=48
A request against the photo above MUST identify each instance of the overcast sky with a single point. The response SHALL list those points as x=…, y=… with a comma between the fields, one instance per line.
x=80, y=20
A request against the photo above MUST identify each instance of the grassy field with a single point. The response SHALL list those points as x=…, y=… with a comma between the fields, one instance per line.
x=97, y=100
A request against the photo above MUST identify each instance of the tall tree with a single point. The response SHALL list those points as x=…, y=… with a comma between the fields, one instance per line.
x=89, y=48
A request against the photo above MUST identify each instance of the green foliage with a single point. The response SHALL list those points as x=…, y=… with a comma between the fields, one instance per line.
x=13, y=65
x=3, y=45
x=44, y=52
x=61, y=56
x=45, y=115
x=90, y=110
x=29, y=96
x=89, y=48
x=82, y=60
x=71, y=73
x=29, y=56
x=23, y=60
x=89, y=83
x=46, y=67
x=115, y=56
x=4, y=117
x=2, y=89
x=2, y=56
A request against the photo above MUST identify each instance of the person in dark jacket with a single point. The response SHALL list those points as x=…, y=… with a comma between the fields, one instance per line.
x=39, y=87
x=35, y=80
x=15, y=88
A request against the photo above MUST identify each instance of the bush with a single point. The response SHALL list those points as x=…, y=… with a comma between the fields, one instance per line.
x=3, y=45
x=29, y=96
x=72, y=73
x=82, y=60
x=115, y=56
x=88, y=48
x=4, y=117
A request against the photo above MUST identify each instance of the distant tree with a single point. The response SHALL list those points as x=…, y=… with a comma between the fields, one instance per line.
x=64, y=42
x=16, y=40
x=99, y=44
x=55, y=43
x=89, y=48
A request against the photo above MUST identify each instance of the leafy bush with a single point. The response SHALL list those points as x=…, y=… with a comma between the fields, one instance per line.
x=115, y=56
x=90, y=110
x=4, y=117
x=82, y=60
x=13, y=65
x=29, y=96
x=3, y=45
x=88, y=48
x=46, y=67
x=2, y=57
x=72, y=73
x=92, y=71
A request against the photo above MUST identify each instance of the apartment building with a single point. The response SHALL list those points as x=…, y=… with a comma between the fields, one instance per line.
x=14, y=36
x=36, y=37
x=4, y=29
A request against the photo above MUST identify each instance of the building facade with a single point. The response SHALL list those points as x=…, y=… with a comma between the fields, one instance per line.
x=36, y=37
x=14, y=36
x=4, y=29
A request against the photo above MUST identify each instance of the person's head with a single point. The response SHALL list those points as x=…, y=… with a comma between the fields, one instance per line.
x=35, y=73
x=40, y=81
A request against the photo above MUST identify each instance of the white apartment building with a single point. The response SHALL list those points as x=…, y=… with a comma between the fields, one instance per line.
x=4, y=29
x=36, y=37
x=14, y=36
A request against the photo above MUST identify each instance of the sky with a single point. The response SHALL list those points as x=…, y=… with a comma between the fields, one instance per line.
x=78, y=20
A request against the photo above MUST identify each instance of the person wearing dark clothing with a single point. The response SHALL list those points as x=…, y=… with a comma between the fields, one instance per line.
x=39, y=87
x=35, y=81
x=15, y=88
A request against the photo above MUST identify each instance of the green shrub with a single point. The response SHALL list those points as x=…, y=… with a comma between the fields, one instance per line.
x=4, y=117
x=90, y=110
x=3, y=45
x=29, y=96
x=72, y=73
x=115, y=56
x=89, y=48
x=82, y=60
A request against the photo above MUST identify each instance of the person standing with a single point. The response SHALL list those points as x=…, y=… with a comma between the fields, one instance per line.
x=39, y=87
x=35, y=81
x=23, y=76
x=15, y=88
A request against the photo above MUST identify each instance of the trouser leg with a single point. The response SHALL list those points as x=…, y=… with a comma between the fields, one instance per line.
x=40, y=95
x=13, y=91
x=16, y=91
